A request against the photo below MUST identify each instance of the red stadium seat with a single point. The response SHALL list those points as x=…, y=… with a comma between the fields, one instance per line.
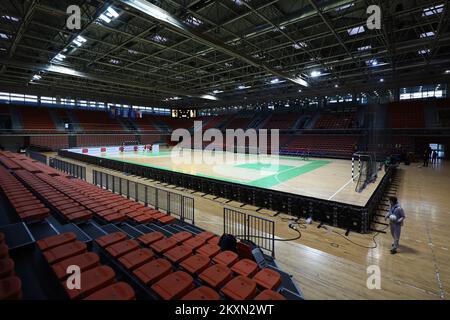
x=65, y=251
x=216, y=275
x=174, y=286
x=121, y=248
x=195, y=264
x=136, y=258
x=117, y=291
x=36, y=214
x=85, y=261
x=115, y=217
x=110, y=239
x=209, y=250
x=227, y=258
x=269, y=295
x=91, y=281
x=181, y=236
x=57, y=240
x=206, y=235
x=245, y=267
x=240, y=288
x=151, y=237
x=178, y=254
x=82, y=215
x=195, y=242
x=10, y=288
x=143, y=218
x=153, y=271
x=167, y=220
x=267, y=278
x=202, y=293
x=214, y=240
x=163, y=245
x=6, y=268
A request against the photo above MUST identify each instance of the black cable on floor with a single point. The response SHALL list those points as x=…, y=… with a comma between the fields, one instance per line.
x=357, y=244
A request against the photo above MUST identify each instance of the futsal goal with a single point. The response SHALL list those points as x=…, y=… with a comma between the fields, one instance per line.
x=367, y=169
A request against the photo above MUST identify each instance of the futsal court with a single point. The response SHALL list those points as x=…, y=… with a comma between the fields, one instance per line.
x=327, y=179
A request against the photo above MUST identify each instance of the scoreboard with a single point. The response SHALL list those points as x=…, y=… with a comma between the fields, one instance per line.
x=184, y=113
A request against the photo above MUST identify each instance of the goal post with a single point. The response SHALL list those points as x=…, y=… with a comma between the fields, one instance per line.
x=364, y=169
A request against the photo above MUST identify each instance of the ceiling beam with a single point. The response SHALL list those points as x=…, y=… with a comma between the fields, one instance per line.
x=176, y=24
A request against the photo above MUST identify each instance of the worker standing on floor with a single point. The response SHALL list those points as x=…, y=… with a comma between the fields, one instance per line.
x=396, y=216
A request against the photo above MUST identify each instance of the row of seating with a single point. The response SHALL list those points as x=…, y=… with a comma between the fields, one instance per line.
x=25, y=204
x=55, y=197
x=184, y=266
x=340, y=120
x=407, y=114
x=113, y=207
x=77, y=200
x=16, y=161
x=10, y=284
x=322, y=145
x=52, y=142
x=284, y=120
x=97, y=281
x=34, y=118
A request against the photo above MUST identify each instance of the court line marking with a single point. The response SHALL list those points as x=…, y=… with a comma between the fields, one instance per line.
x=342, y=188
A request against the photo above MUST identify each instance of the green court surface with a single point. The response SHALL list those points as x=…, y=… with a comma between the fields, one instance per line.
x=264, y=171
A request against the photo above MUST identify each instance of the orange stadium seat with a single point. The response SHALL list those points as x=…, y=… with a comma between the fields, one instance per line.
x=163, y=245
x=136, y=258
x=245, y=267
x=195, y=242
x=92, y=280
x=178, y=253
x=269, y=295
x=121, y=248
x=109, y=239
x=240, y=288
x=65, y=251
x=84, y=261
x=181, y=236
x=174, y=286
x=151, y=237
x=55, y=241
x=209, y=250
x=267, y=278
x=202, y=293
x=153, y=271
x=195, y=264
x=227, y=258
x=216, y=275
x=117, y=291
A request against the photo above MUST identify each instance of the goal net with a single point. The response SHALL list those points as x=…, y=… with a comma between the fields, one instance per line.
x=367, y=169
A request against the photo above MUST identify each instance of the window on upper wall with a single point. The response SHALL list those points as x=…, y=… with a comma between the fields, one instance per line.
x=423, y=92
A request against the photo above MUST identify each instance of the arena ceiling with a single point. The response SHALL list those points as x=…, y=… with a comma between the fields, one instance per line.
x=203, y=52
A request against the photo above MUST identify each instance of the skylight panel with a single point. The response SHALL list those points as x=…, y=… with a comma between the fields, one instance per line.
x=365, y=48
x=356, y=30
x=433, y=10
x=193, y=21
x=427, y=34
x=158, y=38
x=345, y=7
x=10, y=18
x=79, y=41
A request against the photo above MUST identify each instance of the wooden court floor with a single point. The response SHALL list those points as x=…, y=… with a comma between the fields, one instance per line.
x=325, y=265
x=329, y=179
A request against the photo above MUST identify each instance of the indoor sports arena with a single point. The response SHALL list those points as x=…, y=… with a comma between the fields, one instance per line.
x=224, y=150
